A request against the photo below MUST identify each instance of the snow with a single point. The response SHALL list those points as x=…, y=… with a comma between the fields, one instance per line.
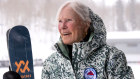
x=124, y=35
x=136, y=70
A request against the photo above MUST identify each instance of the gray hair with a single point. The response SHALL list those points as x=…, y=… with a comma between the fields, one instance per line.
x=79, y=8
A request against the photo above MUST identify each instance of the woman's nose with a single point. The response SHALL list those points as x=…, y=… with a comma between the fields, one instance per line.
x=63, y=25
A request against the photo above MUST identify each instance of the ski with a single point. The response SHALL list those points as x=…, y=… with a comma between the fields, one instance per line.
x=20, y=51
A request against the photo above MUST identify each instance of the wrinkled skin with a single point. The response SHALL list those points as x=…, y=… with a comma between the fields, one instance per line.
x=71, y=27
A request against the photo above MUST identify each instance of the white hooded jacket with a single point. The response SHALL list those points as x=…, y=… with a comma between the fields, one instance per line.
x=93, y=59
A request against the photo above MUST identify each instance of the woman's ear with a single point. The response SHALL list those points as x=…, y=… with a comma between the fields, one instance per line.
x=87, y=25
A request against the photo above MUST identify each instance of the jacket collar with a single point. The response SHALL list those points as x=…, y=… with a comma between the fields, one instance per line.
x=80, y=50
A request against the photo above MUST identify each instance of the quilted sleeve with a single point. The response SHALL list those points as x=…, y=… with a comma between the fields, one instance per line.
x=117, y=67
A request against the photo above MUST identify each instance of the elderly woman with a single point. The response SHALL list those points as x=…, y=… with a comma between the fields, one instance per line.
x=82, y=52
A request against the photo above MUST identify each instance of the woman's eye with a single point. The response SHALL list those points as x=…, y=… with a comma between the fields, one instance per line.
x=60, y=21
x=69, y=19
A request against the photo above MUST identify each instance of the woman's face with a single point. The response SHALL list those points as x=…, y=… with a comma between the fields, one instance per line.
x=71, y=27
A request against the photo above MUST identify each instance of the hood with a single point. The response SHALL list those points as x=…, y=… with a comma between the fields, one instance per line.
x=97, y=28
x=82, y=49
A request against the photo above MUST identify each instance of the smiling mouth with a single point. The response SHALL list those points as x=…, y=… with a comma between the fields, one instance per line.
x=66, y=34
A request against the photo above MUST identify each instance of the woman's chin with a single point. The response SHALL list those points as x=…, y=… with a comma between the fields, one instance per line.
x=68, y=42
